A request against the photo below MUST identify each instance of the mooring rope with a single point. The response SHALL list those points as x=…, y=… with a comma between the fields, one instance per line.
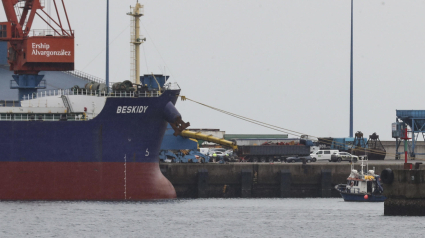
x=281, y=129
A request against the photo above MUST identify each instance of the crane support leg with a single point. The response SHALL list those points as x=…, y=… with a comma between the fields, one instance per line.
x=27, y=84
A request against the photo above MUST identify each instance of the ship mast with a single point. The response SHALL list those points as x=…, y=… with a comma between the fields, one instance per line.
x=135, y=41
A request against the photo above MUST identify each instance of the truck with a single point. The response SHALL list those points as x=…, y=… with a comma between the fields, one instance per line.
x=270, y=150
x=274, y=152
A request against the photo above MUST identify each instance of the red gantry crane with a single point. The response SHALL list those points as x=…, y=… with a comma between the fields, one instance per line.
x=31, y=51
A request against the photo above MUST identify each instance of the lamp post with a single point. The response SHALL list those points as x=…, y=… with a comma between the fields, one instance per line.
x=351, y=74
x=107, y=47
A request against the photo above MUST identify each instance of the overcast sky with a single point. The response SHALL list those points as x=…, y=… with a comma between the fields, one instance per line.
x=284, y=62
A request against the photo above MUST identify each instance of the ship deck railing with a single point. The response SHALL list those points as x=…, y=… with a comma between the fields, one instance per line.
x=86, y=76
x=84, y=92
x=42, y=117
x=94, y=79
x=355, y=190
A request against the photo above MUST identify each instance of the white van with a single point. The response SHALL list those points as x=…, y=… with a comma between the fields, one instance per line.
x=323, y=155
x=314, y=149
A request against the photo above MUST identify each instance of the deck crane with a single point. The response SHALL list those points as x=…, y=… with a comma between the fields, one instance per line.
x=31, y=51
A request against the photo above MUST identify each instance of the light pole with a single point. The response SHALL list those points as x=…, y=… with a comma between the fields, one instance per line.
x=107, y=47
x=351, y=74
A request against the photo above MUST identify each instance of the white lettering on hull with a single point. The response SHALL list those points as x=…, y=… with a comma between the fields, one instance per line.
x=132, y=109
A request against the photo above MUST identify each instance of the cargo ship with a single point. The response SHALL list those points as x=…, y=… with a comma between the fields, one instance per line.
x=48, y=153
x=97, y=141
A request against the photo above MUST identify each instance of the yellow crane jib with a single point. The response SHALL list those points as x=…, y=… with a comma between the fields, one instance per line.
x=200, y=136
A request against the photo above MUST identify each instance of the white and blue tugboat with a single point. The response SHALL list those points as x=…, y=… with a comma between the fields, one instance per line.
x=361, y=186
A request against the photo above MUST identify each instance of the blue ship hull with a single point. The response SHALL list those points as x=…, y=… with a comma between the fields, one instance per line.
x=111, y=157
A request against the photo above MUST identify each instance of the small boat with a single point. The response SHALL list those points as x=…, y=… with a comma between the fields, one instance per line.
x=361, y=186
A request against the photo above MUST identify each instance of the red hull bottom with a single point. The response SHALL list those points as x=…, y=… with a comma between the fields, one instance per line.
x=83, y=181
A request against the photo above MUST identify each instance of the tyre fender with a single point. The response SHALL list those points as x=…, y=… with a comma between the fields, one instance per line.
x=387, y=176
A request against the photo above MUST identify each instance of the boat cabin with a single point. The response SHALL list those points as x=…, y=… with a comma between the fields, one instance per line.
x=363, y=183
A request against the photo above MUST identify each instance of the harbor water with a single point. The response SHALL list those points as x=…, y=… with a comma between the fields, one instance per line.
x=205, y=218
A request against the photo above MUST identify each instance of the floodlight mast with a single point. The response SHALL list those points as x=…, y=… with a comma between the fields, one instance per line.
x=351, y=74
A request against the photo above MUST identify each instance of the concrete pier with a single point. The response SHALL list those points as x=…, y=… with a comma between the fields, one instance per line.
x=246, y=183
x=326, y=183
x=405, y=192
x=245, y=180
x=202, y=183
x=285, y=183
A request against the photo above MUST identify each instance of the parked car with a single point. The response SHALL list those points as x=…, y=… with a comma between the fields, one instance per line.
x=344, y=156
x=204, y=150
x=300, y=159
x=229, y=152
x=323, y=155
x=219, y=154
x=212, y=150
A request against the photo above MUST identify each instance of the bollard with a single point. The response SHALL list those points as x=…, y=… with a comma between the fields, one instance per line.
x=326, y=183
x=285, y=183
x=246, y=183
x=202, y=183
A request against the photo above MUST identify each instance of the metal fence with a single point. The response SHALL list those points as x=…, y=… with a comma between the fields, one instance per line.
x=86, y=76
x=51, y=32
x=84, y=92
x=171, y=86
x=42, y=117
x=15, y=85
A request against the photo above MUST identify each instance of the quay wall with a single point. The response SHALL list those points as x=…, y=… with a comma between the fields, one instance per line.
x=261, y=180
x=405, y=193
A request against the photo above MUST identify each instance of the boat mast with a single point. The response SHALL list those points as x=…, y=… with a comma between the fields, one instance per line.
x=136, y=12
